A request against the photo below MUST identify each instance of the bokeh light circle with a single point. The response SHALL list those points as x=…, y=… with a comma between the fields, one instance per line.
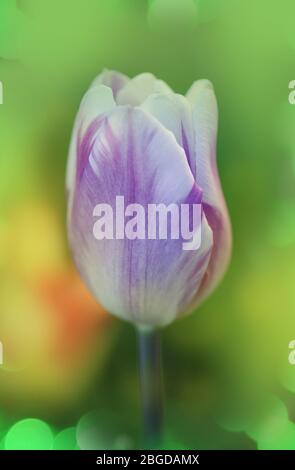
x=271, y=415
x=66, y=440
x=29, y=434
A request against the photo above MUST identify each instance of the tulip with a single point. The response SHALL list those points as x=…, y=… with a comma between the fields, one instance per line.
x=138, y=139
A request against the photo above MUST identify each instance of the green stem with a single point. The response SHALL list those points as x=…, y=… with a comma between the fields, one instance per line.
x=150, y=372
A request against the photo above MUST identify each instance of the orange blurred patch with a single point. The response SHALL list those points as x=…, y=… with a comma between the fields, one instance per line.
x=79, y=317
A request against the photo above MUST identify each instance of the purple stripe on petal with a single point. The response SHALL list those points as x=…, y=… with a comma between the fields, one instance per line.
x=96, y=102
x=143, y=280
x=219, y=223
x=85, y=142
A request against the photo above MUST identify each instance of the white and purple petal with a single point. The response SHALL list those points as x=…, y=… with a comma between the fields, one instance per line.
x=149, y=282
x=97, y=101
x=205, y=118
x=175, y=113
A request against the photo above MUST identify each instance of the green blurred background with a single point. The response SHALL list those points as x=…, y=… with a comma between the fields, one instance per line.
x=69, y=378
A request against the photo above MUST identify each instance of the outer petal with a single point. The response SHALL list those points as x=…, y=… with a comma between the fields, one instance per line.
x=111, y=79
x=97, y=101
x=175, y=113
x=148, y=282
x=139, y=88
x=205, y=117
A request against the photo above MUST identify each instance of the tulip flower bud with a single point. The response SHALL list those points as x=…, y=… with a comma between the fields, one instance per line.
x=140, y=153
